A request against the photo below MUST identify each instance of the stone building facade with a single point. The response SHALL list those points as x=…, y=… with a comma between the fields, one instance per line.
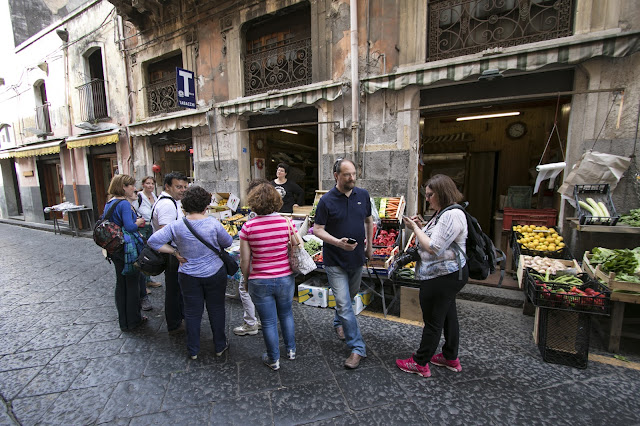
x=379, y=81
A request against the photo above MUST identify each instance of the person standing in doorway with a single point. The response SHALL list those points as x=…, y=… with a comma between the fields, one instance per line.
x=343, y=221
x=291, y=193
x=168, y=209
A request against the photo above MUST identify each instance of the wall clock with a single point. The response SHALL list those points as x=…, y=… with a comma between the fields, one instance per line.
x=516, y=130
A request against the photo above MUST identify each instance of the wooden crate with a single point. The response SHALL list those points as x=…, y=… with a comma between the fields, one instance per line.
x=520, y=272
x=610, y=280
x=319, y=194
x=383, y=262
x=401, y=206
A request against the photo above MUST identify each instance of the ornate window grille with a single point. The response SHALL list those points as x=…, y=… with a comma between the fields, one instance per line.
x=462, y=27
x=93, y=101
x=43, y=123
x=162, y=96
x=287, y=65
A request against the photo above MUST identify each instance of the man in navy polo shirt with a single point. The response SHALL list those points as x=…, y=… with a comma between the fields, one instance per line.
x=344, y=214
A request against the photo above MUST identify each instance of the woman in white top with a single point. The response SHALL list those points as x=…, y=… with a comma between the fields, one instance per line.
x=146, y=199
x=442, y=271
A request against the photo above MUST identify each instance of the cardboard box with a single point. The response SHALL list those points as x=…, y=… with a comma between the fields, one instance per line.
x=359, y=302
x=233, y=201
x=410, y=304
x=220, y=214
x=313, y=296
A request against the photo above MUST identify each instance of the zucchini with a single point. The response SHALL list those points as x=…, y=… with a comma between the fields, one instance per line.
x=593, y=204
x=604, y=210
x=587, y=207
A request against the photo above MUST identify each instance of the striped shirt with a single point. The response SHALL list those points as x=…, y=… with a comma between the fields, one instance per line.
x=268, y=237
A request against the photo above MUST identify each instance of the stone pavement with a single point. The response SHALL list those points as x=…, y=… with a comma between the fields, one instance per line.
x=64, y=360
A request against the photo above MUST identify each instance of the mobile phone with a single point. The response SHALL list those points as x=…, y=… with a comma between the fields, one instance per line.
x=351, y=241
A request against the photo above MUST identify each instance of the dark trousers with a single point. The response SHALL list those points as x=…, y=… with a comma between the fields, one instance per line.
x=198, y=292
x=127, y=294
x=173, y=305
x=438, y=303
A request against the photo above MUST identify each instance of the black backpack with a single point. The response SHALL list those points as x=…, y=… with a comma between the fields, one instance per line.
x=482, y=256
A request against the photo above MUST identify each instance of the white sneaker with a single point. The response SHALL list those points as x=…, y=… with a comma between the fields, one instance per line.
x=291, y=354
x=246, y=329
x=269, y=363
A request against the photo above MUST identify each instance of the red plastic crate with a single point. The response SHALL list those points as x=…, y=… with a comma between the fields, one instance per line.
x=539, y=217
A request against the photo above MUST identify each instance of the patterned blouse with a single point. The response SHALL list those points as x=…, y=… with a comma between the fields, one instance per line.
x=450, y=227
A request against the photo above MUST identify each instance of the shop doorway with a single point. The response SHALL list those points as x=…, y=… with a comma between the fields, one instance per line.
x=173, y=152
x=16, y=189
x=105, y=166
x=51, y=188
x=274, y=141
x=487, y=156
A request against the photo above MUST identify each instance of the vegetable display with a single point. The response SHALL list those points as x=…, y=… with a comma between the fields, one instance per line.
x=543, y=264
x=624, y=263
x=631, y=219
x=312, y=247
x=596, y=209
x=386, y=251
x=568, y=292
x=386, y=238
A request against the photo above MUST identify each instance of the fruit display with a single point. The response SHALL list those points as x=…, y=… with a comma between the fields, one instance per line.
x=230, y=228
x=386, y=251
x=223, y=201
x=386, y=238
x=318, y=258
x=539, y=238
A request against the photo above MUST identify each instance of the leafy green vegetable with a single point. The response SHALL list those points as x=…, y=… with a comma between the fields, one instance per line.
x=621, y=358
x=620, y=261
x=631, y=219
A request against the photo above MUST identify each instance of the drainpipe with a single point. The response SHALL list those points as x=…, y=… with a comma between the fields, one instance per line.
x=355, y=81
x=65, y=50
x=130, y=112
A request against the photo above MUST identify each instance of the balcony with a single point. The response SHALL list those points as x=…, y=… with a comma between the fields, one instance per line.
x=162, y=97
x=463, y=27
x=43, y=123
x=281, y=67
x=93, y=101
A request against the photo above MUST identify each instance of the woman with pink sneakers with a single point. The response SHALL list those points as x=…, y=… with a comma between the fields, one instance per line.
x=442, y=271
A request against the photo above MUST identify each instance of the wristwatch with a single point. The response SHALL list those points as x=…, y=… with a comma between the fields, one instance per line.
x=175, y=251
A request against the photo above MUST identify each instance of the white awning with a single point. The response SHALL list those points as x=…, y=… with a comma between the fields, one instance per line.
x=309, y=94
x=32, y=150
x=180, y=120
x=93, y=139
x=567, y=50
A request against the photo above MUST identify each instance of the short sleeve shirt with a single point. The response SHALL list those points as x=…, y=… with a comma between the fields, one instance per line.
x=165, y=211
x=344, y=216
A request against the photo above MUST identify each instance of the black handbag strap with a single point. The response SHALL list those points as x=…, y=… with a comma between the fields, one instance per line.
x=109, y=212
x=195, y=234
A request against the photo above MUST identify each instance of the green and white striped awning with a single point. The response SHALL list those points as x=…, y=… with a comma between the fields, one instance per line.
x=308, y=94
x=568, y=51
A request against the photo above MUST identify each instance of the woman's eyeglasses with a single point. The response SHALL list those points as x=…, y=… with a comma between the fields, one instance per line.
x=428, y=195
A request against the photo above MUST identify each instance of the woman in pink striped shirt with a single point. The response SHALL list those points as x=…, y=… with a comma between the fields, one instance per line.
x=264, y=259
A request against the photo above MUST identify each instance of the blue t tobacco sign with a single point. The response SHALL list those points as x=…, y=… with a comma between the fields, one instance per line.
x=186, y=88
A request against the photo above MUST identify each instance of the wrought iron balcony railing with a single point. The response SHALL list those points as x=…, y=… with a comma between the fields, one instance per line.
x=162, y=97
x=93, y=101
x=462, y=27
x=278, y=68
x=43, y=123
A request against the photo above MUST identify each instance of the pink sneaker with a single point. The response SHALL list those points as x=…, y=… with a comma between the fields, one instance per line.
x=409, y=366
x=439, y=360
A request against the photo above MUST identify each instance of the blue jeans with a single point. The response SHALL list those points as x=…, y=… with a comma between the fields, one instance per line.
x=273, y=298
x=197, y=292
x=345, y=284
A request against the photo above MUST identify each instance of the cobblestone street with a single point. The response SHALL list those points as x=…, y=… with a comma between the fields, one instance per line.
x=64, y=360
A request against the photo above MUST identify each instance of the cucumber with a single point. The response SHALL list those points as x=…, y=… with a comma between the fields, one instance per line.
x=587, y=207
x=593, y=204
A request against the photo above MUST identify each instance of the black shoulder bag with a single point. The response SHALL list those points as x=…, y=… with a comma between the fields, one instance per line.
x=227, y=260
